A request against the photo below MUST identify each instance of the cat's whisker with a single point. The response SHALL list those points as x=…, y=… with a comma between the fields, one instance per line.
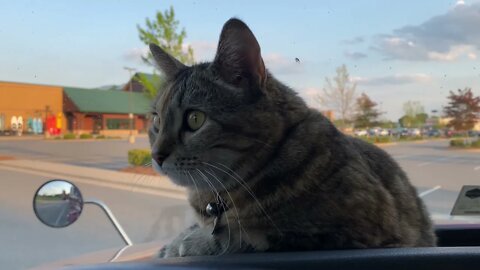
x=137, y=181
x=212, y=173
x=224, y=212
x=196, y=188
x=148, y=164
x=245, y=186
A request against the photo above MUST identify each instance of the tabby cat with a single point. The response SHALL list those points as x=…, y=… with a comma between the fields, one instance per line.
x=266, y=173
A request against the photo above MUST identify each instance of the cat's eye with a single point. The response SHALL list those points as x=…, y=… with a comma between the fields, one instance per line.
x=195, y=119
x=155, y=121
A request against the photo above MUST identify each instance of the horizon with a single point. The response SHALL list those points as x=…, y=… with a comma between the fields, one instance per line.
x=395, y=53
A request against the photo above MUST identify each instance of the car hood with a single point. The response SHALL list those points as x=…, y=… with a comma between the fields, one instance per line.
x=136, y=252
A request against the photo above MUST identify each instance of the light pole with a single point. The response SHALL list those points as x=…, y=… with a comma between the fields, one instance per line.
x=131, y=137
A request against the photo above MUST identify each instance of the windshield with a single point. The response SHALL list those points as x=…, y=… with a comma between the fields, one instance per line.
x=78, y=80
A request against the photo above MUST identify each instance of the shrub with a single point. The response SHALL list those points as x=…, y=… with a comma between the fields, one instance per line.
x=139, y=157
x=382, y=140
x=69, y=136
x=100, y=137
x=476, y=144
x=457, y=143
x=86, y=136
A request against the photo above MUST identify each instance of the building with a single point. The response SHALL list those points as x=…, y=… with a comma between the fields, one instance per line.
x=106, y=112
x=29, y=101
x=76, y=110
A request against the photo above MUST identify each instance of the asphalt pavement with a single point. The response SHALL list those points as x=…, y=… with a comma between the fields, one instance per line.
x=26, y=242
x=52, y=212
x=436, y=171
x=433, y=166
x=106, y=154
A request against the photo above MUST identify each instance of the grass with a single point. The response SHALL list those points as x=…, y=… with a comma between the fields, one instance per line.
x=384, y=139
x=462, y=143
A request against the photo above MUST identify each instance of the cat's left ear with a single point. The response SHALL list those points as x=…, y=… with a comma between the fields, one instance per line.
x=167, y=64
x=238, y=59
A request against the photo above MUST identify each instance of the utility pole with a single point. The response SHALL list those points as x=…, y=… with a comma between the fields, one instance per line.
x=131, y=137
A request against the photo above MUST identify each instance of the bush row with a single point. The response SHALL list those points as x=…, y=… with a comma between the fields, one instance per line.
x=139, y=157
x=83, y=136
x=462, y=143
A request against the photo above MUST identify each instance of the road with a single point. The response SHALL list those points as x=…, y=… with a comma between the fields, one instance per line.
x=52, y=212
x=26, y=242
x=105, y=154
x=431, y=164
x=148, y=217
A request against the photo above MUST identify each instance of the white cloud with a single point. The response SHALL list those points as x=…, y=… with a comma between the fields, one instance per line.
x=445, y=37
x=279, y=64
x=393, y=79
x=353, y=41
x=355, y=55
x=454, y=53
x=136, y=54
x=203, y=50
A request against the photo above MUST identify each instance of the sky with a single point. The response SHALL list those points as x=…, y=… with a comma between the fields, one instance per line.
x=395, y=51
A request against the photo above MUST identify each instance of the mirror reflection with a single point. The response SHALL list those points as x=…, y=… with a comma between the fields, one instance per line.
x=58, y=203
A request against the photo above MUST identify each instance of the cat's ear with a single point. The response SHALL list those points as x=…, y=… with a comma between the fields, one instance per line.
x=165, y=62
x=238, y=58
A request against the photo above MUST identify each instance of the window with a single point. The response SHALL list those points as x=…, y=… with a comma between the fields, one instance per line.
x=119, y=123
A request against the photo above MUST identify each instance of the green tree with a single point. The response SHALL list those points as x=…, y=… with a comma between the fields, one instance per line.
x=339, y=94
x=464, y=109
x=163, y=31
x=367, y=114
x=415, y=115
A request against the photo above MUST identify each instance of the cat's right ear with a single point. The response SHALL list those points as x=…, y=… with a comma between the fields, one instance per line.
x=167, y=64
x=238, y=59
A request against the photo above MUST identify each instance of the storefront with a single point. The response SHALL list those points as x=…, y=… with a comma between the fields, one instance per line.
x=24, y=107
x=106, y=112
x=32, y=108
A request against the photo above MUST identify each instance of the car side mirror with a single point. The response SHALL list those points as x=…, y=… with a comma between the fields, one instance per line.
x=58, y=203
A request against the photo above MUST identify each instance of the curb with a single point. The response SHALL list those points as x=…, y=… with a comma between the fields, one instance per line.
x=158, y=185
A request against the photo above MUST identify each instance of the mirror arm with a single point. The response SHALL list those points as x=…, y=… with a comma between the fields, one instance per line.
x=112, y=218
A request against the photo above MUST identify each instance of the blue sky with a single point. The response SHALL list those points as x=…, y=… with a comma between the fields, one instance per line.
x=395, y=50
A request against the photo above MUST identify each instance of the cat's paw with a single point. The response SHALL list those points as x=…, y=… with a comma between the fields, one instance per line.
x=199, y=242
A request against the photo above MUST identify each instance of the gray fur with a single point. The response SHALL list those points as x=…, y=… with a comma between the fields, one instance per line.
x=290, y=179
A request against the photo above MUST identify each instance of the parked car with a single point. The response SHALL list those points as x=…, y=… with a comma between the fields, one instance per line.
x=360, y=132
x=414, y=132
x=433, y=133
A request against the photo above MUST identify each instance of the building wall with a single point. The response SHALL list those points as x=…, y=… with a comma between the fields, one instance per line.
x=29, y=100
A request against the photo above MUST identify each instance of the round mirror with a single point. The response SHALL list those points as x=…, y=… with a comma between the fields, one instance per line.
x=58, y=203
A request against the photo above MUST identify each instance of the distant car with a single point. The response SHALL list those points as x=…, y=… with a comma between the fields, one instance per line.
x=473, y=133
x=383, y=132
x=360, y=132
x=414, y=132
x=433, y=133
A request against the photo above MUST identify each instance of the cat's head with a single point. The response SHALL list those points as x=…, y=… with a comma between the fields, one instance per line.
x=215, y=123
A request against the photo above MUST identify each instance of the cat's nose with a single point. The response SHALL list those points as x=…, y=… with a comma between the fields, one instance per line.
x=159, y=157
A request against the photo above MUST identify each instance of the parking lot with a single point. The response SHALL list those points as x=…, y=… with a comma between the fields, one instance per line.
x=436, y=171
x=433, y=167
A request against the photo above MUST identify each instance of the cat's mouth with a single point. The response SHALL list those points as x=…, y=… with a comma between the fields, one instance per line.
x=157, y=167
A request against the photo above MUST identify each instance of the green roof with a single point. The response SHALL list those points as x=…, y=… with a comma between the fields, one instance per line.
x=108, y=101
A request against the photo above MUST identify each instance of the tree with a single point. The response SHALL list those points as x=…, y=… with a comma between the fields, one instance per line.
x=464, y=109
x=367, y=114
x=163, y=31
x=415, y=115
x=339, y=94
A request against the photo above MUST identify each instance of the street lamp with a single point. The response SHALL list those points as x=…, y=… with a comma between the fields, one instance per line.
x=131, y=137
